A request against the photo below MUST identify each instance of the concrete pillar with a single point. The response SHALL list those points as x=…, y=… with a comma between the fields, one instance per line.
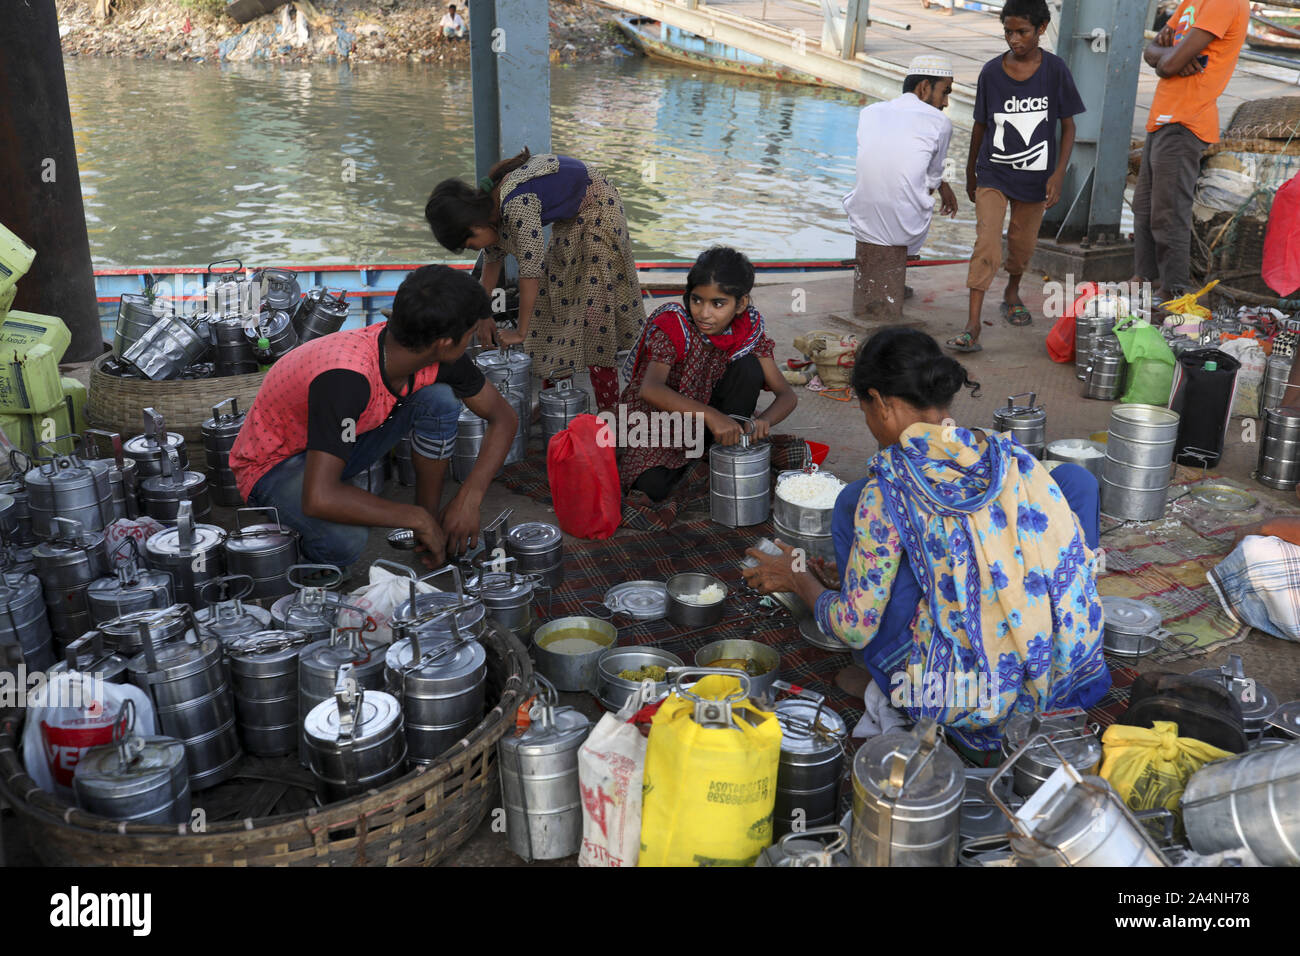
x=41, y=197
x=878, y=281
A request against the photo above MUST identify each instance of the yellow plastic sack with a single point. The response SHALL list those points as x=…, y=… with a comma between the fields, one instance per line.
x=1187, y=304
x=708, y=792
x=1149, y=767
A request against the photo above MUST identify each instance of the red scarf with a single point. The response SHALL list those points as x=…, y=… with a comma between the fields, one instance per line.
x=673, y=320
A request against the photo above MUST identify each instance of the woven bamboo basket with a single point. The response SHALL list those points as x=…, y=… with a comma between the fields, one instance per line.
x=415, y=821
x=116, y=403
x=1274, y=118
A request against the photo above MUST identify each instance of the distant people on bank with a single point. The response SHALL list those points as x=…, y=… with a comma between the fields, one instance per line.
x=708, y=356
x=1194, y=54
x=1022, y=97
x=579, y=296
x=902, y=148
x=453, y=26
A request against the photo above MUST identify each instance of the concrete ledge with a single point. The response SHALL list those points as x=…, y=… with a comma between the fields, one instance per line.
x=1111, y=263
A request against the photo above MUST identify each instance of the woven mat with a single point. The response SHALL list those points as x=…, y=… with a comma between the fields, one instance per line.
x=1165, y=564
x=595, y=566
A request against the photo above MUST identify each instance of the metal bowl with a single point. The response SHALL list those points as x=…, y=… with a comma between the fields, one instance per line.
x=572, y=672
x=749, y=650
x=614, y=691
x=687, y=614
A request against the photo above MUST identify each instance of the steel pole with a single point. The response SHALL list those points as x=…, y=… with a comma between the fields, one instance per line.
x=41, y=199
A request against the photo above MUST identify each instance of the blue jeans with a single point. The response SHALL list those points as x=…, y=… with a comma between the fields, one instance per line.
x=888, y=649
x=430, y=416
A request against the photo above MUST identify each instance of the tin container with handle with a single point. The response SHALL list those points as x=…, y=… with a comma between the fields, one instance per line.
x=506, y=594
x=1273, y=390
x=312, y=608
x=15, y=486
x=422, y=613
x=560, y=404
x=1072, y=819
x=812, y=761
x=166, y=349
x=191, y=552
x=136, y=312
x=131, y=586
x=907, y=796
x=510, y=370
x=320, y=313
x=219, y=434
x=613, y=691
x=88, y=655
x=271, y=335
x=318, y=665
x=1251, y=801
x=277, y=288
x=1027, y=424
x=134, y=779
x=161, y=495
x=805, y=526
x=25, y=634
x=64, y=486
x=1069, y=734
x=687, y=613
x=818, y=846
x=539, y=780
x=232, y=351
x=566, y=669
x=226, y=616
x=763, y=663
x=147, y=449
x=166, y=625
x=1279, y=451
x=441, y=686
x=66, y=564
x=187, y=684
x=1258, y=703
x=264, y=551
x=740, y=481
x=1106, y=370
x=122, y=471
x=470, y=431
x=538, y=548
x=264, y=681
x=1139, y=460
x=354, y=740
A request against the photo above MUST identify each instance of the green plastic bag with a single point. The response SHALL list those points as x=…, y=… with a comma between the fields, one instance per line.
x=1151, y=363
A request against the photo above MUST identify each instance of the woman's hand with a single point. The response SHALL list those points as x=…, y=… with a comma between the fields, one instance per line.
x=773, y=573
x=511, y=337
x=762, y=428
x=825, y=572
x=726, y=430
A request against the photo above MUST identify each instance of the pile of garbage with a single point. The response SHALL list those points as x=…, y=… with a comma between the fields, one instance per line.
x=305, y=31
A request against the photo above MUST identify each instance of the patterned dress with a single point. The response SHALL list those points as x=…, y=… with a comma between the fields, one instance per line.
x=1009, y=620
x=588, y=304
x=696, y=364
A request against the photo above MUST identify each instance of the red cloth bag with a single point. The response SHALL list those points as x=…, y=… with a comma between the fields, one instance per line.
x=583, y=473
x=1282, y=241
x=1060, y=341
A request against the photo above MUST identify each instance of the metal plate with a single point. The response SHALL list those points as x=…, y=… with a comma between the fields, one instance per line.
x=1130, y=616
x=642, y=600
x=811, y=633
x=1223, y=497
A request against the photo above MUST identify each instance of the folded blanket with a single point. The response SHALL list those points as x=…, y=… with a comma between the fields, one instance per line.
x=1258, y=585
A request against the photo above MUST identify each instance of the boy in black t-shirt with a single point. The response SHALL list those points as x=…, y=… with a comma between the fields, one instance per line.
x=1022, y=95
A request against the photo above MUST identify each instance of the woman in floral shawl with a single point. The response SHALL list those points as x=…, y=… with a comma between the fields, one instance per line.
x=1002, y=612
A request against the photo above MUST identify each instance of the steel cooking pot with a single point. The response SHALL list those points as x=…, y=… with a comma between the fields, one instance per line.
x=123, y=478
x=1068, y=734
x=687, y=613
x=64, y=486
x=147, y=450
x=766, y=660
x=614, y=691
x=263, y=551
x=572, y=668
x=354, y=742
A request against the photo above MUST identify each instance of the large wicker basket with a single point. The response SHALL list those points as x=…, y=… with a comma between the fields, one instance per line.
x=116, y=403
x=415, y=821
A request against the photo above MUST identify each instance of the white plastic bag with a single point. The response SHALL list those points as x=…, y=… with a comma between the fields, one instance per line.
x=139, y=529
x=1249, y=377
x=51, y=733
x=611, y=764
x=381, y=597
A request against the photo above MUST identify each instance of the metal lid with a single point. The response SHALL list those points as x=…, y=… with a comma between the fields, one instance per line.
x=8, y=504
x=450, y=659
x=934, y=784
x=1129, y=616
x=425, y=604
x=1143, y=415
x=228, y=623
x=140, y=446
x=378, y=714
x=1223, y=497
x=101, y=770
x=512, y=360
x=165, y=622
x=980, y=816
x=178, y=659
x=261, y=539
x=293, y=614
x=1287, y=718
x=641, y=600
x=568, y=729
x=1083, y=752
x=500, y=589
x=168, y=542
x=1257, y=702
x=170, y=485
x=110, y=588
x=534, y=537
x=71, y=471
x=271, y=646
x=798, y=735
x=324, y=656
x=17, y=588
x=58, y=552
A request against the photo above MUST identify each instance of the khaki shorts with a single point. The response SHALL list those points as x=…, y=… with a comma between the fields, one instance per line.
x=1022, y=236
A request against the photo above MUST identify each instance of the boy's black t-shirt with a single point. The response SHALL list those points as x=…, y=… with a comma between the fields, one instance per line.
x=1019, y=151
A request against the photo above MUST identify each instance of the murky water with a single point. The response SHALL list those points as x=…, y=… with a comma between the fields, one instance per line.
x=182, y=164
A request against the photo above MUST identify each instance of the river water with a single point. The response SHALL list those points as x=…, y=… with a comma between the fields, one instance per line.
x=183, y=164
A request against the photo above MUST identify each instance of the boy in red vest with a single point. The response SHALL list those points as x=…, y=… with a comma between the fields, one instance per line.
x=335, y=405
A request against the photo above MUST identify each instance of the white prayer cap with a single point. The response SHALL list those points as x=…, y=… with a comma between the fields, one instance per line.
x=931, y=64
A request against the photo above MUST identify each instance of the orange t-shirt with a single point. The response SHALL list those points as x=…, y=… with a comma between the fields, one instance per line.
x=1193, y=101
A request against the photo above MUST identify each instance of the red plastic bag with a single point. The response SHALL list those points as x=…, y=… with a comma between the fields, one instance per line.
x=1060, y=341
x=583, y=473
x=1282, y=241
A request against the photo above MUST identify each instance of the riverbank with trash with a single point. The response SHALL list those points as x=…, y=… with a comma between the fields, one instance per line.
x=323, y=31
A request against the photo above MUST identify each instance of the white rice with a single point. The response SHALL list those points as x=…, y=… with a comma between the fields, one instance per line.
x=817, y=491
x=709, y=595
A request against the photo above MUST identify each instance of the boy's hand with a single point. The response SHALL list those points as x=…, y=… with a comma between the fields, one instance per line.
x=948, y=201
x=1166, y=36
x=726, y=430
x=970, y=184
x=1054, y=187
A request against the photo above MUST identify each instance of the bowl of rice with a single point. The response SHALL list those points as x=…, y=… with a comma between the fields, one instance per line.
x=695, y=599
x=805, y=501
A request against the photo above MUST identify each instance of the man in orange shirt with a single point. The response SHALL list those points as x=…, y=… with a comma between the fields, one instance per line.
x=1194, y=55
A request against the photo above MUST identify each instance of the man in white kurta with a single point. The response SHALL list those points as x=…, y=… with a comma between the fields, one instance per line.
x=902, y=148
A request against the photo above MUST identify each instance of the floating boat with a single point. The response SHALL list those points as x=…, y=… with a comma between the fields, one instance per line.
x=663, y=41
x=1273, y=29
